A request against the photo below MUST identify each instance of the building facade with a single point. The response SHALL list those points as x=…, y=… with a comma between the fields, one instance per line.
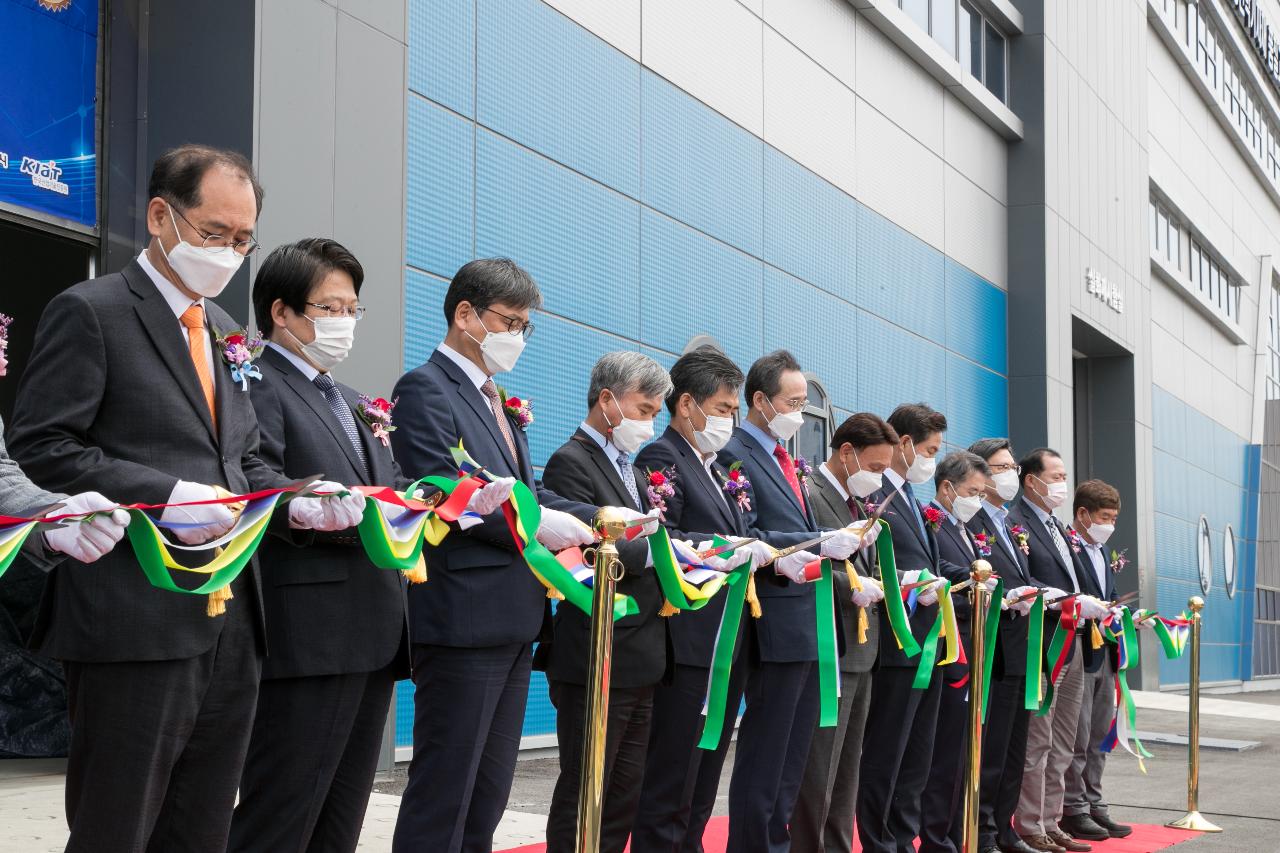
x=1049, y=220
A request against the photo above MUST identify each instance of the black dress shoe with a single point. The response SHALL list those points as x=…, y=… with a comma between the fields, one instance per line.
x=992, y=849
x=1115, y=830
x=1018, y=846
x=1082, y=826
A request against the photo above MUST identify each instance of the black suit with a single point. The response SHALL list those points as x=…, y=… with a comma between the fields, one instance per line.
x=898, y=745
x=782, y=684
x=641, y=657
x=473, y=623
x=941, y=830
x=160, y=695
x=1004, y=738
x=336, y=627
x=680, y=780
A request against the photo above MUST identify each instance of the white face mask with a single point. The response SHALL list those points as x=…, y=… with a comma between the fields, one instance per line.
x=921, y=468
x=862, y=483
x=630, y=433
x=500, y=350
x=202, y=272
x=1006, y=483
x=334, y=337
x=966, y=508
x=1100, y=533
x=784, y=426
x=1055, y=495
x=715, y=435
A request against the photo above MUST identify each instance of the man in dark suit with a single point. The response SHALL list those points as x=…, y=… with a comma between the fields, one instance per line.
x=861, y=449
x=681, y=780
x=126, y=392
x=782, y=689
x=958, y=486
x=474, y=623
x=1051, y=739
x=1084, y=812
x=1004, y=738
x=898, y=744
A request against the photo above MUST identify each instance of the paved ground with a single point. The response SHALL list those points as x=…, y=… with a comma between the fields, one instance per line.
x=1240, y=791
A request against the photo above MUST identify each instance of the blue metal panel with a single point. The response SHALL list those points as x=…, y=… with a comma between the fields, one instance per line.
x=442, y=52
x=896, y=367
x=424, y=323
x=441, y=174
x=976, y=404
x=900, y=277
x=699, y=167
x=820, y=330
x=810, y=226
x=403, y=709
x=976, y=318
x=549, y=84
x=579, y=240
x=539, y=714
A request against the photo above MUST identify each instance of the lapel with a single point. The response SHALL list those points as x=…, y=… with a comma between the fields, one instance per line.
x=607, y=470
x=314, y=399
x=373, y=449
x=165, y=332
x=770, y=465
x=954, y=531
x=480, y=406
x=823, y=490
x=1041, y=533
x=903, y=502
x=695, y=473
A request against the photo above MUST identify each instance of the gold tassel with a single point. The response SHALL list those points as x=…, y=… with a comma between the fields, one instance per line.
x=554, y=594
x=418, y=574
x=668, y=609
x=752, y=600
x=217, y=603
x=1097, y=637
x=862, y=625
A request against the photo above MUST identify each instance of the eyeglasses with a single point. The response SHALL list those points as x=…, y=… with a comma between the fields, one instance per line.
x=1000, y=469
x=340, y=310
x=215, y=243
x=795, y=403
x=515, y=325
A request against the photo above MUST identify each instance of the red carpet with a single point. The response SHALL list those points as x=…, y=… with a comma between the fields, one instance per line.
x=1145, y=839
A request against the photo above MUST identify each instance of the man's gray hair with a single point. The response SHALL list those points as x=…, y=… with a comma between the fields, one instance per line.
x=625, y=371
x=958, y=465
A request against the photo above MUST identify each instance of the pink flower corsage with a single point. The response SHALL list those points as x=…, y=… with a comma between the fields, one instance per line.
x=1021, y=536
x=376, y=412
x=660, y=485
x=520, y=410
x=933, y=517
x=738, y=487
x=240, y=351
x=983, y=543
x=1118, y=560
x=1075, y=540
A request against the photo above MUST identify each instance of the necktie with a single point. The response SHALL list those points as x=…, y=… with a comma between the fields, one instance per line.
x=193, y=320
x=341, y=411
x=854, y=509
x=788, y=471
x=1061, y=544
x=915, y=508
x=964, y=537
x=495, y=405
x=628, y=477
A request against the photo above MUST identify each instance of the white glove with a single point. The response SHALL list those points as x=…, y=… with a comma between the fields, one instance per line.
x=490, y=496
x=684, y=548
x=629, y=515
x=870, y=593
x=990, y=584
x=1051, y=592
x=86, y=541
x=761, y=552
x=559, y=530
x=928, y=595
x=1092, y=608
x=1023, y=607
x=841, y=545
x=867, y=533
x=725, y=562
x=217, y=519
x=792, y=565
x=327, y=514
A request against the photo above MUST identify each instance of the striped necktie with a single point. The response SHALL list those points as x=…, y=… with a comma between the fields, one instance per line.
x=341, y=411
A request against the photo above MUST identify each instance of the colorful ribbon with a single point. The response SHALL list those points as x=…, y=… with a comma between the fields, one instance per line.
x=679, y=585
x=13, y=534
x=991, y=636
x=1124, y=725
x=929, y=648
x=1033, y=696
x=894, y=607
x=715, y=706
x=828, y=652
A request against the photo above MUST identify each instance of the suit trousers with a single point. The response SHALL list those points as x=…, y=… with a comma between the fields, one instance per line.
x=823, y=818
x=681, y=780
x=626, y=742
x=311, y=763
x=468, y=712
x=941, y=829
x=773, y=748
x=1097, y=708
x=1004, y=751
x=1051, y=744
x=897, y=752
x=157, y=746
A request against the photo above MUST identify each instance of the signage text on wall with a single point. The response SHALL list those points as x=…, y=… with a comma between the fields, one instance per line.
x=1263, y=37
x=1098, y=286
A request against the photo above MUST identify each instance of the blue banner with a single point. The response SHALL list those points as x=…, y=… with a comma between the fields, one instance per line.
x=48, y=82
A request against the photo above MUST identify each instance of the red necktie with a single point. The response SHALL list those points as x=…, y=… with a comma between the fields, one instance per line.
x=789, y=471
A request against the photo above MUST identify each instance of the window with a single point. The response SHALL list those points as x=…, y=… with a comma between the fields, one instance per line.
x=971, y=40
x=964, y=33
x=1173, y=242
x=995, y=61
x=813, y=439
x=1273, y=345
x=942, y=24
x=918, y=10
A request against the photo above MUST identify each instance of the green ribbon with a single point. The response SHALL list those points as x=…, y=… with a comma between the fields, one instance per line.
x=722, y=654
x=1035, y=661
x=678, y=592
x=929, y=648
x=896, y=610
x=828, y=669
x=1055, y=651
x=991, y=631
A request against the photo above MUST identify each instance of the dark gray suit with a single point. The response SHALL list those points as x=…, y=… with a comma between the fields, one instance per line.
x=161, y=696
x=337, y=633
x=19, y=497
x=823, y=817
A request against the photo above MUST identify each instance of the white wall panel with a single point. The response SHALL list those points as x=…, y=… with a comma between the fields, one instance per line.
x=898, y=87
x=898, y=177
x=826, y=30
x=615, y=21
x=976, y=228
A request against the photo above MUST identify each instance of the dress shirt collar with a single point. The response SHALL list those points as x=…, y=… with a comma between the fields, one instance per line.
x=1040, y=514
x=998, y=512
x=894, y=479
x=606, y=445
x=762, y=438
x=831, y=478
x=469, y=367
x=178, y=303
x=304, y=366
x=707, y=459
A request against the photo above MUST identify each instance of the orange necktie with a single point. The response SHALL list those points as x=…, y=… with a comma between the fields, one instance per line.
x=193, y=319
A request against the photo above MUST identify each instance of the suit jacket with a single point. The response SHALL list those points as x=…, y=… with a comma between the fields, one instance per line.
x=481, y=592
x=1046, y=566
x=912, y=551
x=329, y=610
x=955, y=546
x=830, y=510
x=786, y=631
x=697, y=511
x=641, y=647
x=110, y=402
x=1011, y=565
x=21, y=498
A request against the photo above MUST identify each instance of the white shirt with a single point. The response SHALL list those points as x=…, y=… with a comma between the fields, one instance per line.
x=296, y=360
x=178, y=304
x=831, y=478
x=469, y=367
x=1094, y=550
x=999, y=515
x=611, y=453
x=707, y=461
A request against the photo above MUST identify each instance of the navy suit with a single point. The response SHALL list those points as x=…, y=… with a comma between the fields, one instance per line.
x=898, y=745
x=782, y=690
x=680, y=780
x=1004, y=738
x=473, y=623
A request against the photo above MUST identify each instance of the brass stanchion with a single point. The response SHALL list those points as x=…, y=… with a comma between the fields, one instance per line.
x=1193, y=819
x=980, y=598
x=611, y=526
